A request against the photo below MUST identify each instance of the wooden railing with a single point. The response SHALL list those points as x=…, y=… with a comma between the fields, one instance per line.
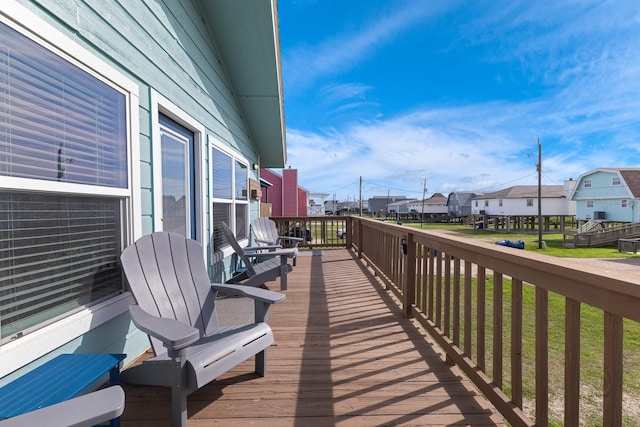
x=481, y=302
x=601, y=237
x=317, y=231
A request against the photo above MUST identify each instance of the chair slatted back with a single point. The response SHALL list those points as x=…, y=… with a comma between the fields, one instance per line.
x=231, y=239
x=265, y=229
x=168, y=278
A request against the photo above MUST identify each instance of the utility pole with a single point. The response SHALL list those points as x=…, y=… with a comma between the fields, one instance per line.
x=424, y=194
x=360, y=198
x=539, y=168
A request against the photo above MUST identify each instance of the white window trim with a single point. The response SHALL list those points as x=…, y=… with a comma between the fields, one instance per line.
x=161, y=105
x=28, y=348
x=235, y=156
x=587, y=183
x=613, y=181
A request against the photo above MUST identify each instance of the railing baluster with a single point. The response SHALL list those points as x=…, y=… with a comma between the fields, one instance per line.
x=467, y=308
x=497, y=329
x=613, y=341
x=431, y=282
x=542, y=357
x=424, y=277
x=516, y=342
x=481, y=319
x=456, y=302
x=439, y=260
x=447, y=296
x=572, y=364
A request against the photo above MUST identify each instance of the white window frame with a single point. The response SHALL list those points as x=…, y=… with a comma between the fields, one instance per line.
x=589, y=204
x=235, y=157
x=529, y=203
x=28, y=348
x=624, y=204
x=161, y=105
x=616, y=181
x=587, y=183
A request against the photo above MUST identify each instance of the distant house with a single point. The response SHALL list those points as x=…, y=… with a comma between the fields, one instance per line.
x=316, y=205
x=379, y=205
x=522, y=200
x=436, y=205
x=608, y=194
x=400, y=207
x=283, y=194
x=121, y=118
x=333, y=207
x=459, y=203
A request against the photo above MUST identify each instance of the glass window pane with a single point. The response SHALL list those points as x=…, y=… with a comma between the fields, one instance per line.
x=57, y=254
x=242, y=184
x=58, y=122
x=221, y=213
x=221, y=170
x=242, y=222
x=174, y=186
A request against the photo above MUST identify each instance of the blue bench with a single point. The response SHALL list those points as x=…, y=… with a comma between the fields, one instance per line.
x=58, y=380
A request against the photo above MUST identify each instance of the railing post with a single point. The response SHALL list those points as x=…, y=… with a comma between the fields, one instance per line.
x=410, y=276
x=349, y=231
x=359, y=235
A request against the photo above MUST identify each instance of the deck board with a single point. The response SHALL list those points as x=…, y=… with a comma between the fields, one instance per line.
x=344, y=356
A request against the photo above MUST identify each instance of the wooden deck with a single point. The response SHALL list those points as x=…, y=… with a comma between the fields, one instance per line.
x=344, y=356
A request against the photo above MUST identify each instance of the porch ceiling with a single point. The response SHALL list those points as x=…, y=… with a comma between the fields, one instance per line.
x=246, y=34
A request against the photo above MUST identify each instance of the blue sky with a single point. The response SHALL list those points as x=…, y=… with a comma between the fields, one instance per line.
x=457, y=92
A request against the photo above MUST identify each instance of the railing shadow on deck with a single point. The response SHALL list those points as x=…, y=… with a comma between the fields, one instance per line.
x=426, y=351
x=438, y=277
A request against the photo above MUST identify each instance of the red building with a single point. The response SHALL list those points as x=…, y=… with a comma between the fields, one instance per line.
x=281, y=194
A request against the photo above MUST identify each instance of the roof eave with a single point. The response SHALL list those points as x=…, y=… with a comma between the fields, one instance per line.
x=246, y=34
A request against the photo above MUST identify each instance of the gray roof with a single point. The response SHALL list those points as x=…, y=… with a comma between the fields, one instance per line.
x=523, y=192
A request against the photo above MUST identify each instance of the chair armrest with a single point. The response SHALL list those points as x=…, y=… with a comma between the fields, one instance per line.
x=280, y=252
x=291, y=238
x=87, y=410
x=259, y=294
x=173, y=334
x=261, y=248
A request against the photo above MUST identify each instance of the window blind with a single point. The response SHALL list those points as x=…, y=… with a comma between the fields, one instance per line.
x=57, y=121
x=57, y=254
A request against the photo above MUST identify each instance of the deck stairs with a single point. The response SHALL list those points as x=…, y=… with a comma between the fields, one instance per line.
x=601, y=235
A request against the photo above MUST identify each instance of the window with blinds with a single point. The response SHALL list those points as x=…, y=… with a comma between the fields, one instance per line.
x=57, y=254
x=57, y=122
x=230, y=198
x=59, y=249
